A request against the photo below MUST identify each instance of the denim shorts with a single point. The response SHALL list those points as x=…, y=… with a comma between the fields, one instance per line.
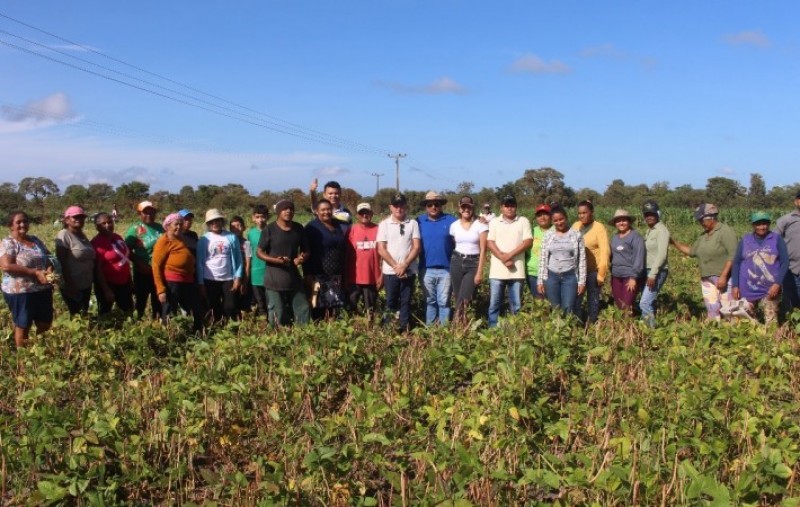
x=29, y=307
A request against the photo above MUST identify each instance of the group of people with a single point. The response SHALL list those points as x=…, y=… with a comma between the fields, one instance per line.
x=339, y=261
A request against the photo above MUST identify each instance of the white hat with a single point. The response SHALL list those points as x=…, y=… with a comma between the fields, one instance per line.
x=362, y=206
x=213, y=214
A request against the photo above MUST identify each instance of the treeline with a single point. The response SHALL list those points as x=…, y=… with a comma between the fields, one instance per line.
x=43, y=198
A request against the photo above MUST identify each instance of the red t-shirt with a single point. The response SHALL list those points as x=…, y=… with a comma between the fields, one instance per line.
x=363, y=267
x=114, y=258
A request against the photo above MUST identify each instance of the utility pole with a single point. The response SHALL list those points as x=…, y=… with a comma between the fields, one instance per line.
x=397, y=158
x=377, y=182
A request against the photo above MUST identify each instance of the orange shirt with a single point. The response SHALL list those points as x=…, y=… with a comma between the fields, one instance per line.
x=171, y=256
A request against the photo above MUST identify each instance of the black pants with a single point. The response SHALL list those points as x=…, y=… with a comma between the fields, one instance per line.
x=143, y=288
x=222, y=301
x=79, y=303
x=369, y=293
x=462, y=278
x=123, y=297
x=183, y=295
x=260, y=297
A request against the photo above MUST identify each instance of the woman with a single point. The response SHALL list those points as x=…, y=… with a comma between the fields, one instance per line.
x=714, y=249
x=595, y=238
x=237, y=227
x=27, y=277
x=219, y=268
x=77, y=257
x=141, y=237
x=187, y=234
x=656, y=242
x=113, y=281
x=562, y=264
x=174, y=272
x=469, y=256
x=327, y=239
x=543, y=224
x=759, y=267
x=627, y=261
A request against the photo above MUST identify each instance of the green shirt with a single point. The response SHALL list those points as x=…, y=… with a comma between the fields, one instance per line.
x=257, y=266
x=656, y=241
x=713, y=249
x=532, y=262
x=141, y=238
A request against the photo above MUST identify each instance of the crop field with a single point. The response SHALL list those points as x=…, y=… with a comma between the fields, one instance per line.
x=538, y=411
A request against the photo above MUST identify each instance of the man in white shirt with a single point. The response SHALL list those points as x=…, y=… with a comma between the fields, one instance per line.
x=399, y=244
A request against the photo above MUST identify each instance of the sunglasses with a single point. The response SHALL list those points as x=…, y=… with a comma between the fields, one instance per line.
x=402, y=229
x=433, y=204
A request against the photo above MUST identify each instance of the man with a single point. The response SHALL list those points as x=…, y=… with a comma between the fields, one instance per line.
x=399, y=245
x=544, y=221
x=434, y=259
x=509, y=238
x=788, y=226
x=284, y=248
x=257, y=265
x=486, y=215
x=332, y=191
x=363, y=274
x=141, y=237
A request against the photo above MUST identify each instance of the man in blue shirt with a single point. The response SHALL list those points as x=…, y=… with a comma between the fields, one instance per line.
x=434, y=263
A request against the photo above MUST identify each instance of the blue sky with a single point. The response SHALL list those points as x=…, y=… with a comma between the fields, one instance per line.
x=471, y=90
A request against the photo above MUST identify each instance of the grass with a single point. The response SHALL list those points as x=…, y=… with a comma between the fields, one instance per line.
x=538, y=411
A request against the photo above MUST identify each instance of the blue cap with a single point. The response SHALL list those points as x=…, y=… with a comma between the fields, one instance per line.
x=185, y=213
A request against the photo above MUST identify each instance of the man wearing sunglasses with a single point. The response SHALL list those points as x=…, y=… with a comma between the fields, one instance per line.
x=434, y=258
x=398, y=245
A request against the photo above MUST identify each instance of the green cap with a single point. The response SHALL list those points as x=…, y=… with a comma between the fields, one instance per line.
x=760, y=216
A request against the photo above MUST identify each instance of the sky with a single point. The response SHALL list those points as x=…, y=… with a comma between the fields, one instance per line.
x=272, y=94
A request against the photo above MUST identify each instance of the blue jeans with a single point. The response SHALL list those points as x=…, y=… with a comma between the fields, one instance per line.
x=562, y=290
x=533, y=282
x=496, y=289
x=436, y=284
x=648, y=299
x=398, y=297
x=592, y=294
x=791, y=293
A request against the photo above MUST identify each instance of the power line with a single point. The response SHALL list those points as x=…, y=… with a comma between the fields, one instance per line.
x=271, y=122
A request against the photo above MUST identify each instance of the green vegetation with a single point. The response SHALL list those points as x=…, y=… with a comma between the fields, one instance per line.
x=536, y=411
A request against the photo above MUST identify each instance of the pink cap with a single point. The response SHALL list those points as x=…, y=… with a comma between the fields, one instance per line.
x=73, y=211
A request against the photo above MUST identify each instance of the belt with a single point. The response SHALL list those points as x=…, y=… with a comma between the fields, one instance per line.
x=467, y=256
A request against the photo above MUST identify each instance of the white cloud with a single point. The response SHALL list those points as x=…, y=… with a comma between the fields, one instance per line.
x=533, y=64
x=753, y=38
x=51, y=110
x=331, y=171
x=440, y=86
x=726, y=171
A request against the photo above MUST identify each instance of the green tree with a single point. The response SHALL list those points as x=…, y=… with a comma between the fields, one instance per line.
x=757, y=193
x=543, y=185
x=40, y=190
x=130, y=194
x=724, y=191
x=10, y=199
x=75, y=194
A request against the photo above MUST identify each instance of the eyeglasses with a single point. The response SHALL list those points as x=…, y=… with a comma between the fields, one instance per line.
x=402, y=229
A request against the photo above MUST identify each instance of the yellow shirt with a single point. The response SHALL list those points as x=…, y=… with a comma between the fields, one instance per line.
x=598, y=250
